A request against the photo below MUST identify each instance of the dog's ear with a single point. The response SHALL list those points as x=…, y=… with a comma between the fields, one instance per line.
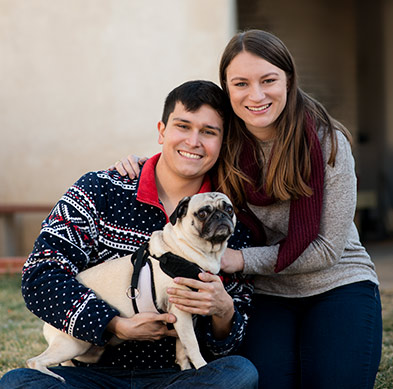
x=180, y=210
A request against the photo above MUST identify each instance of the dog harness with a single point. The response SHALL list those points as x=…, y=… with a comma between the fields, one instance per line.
x=142, y=290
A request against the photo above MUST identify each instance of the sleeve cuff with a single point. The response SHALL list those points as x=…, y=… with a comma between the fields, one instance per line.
x=221, y=347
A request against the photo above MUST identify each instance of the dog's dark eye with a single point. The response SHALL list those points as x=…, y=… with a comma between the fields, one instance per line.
x=229, y=209
x=202, y=214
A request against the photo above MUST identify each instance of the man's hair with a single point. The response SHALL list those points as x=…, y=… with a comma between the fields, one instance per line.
x=194, y=94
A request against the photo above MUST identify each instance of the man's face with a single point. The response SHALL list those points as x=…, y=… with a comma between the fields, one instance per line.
x=191, y=141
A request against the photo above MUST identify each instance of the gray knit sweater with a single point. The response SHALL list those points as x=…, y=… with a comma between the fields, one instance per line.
x=335, y=258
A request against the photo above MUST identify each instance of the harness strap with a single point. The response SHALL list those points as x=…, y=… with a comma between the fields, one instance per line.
x=138, y=259
x=171, y=264
x=176, y=266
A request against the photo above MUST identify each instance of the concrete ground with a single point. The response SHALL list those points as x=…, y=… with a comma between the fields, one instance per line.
x=382, y=255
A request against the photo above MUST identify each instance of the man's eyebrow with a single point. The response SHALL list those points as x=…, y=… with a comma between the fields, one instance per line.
x=189, y=122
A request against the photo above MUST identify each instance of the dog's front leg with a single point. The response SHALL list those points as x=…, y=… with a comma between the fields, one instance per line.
x=181, y=356
x=185, y=331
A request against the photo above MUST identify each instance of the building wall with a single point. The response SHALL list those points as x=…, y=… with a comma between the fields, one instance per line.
x=321, y=35
x=343, y=51
x=83, y=83
x=388, y=74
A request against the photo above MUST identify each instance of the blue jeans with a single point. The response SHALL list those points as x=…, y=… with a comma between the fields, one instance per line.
x=332, y=340
x=228, y=372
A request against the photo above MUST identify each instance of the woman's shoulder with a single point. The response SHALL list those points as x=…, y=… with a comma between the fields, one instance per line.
x=344, y=161
x=343, y=144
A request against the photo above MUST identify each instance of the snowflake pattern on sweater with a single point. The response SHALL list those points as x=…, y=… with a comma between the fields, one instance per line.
x=104, y=216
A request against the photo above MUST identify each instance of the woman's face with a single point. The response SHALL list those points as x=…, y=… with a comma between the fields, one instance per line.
x=258, y=93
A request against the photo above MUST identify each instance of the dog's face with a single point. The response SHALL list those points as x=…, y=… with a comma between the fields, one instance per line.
x=209, y=216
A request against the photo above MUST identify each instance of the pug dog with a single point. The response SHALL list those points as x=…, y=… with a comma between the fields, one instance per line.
x=197, y=235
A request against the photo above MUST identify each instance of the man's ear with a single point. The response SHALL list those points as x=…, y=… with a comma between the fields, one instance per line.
x=180, y=211
x=161, y=129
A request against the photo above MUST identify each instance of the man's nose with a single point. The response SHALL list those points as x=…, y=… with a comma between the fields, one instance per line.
x=193, y=139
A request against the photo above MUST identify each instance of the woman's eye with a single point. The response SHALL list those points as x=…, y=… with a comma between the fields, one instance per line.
x=241, y=84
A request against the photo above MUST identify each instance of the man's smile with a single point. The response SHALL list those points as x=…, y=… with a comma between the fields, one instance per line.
x=189, y=155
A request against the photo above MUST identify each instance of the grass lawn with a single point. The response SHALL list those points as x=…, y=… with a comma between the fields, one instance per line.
x=21, y=332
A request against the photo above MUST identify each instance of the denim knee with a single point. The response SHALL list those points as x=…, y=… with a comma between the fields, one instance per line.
x=247, y=374
x=15, y=379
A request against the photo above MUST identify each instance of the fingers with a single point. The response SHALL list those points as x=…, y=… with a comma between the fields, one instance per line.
x=201, y=302
x=142, y=160
x=206, y=279
x=210, y=298
x=120, y=168
x=166, y=318
x=130, y=165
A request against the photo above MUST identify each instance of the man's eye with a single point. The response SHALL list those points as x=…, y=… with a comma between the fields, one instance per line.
x=209, y=132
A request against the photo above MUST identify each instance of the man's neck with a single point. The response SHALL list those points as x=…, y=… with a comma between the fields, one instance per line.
x=171, y=189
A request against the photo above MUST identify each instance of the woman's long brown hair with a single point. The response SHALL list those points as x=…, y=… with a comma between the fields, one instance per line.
x=289, y=166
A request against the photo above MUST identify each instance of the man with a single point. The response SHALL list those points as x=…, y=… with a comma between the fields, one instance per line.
x=105, y=216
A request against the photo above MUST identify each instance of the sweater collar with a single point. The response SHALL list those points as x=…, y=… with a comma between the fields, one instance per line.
x=147, y=189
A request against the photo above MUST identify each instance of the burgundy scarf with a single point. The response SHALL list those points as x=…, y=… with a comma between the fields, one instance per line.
x=305, y=212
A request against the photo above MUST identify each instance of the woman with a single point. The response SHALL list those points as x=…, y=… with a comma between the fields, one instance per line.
x=288, y=167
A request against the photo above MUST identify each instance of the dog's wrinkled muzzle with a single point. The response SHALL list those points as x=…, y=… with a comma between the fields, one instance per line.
x=218, y=227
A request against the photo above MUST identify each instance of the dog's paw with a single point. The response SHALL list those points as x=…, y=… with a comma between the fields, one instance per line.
x=184, y=364
x=32, y=364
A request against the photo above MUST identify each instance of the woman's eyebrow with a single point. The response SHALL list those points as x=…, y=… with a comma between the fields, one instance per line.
x=241, y=78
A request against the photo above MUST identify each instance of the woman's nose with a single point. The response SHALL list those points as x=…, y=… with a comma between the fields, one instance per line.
x=256, y=93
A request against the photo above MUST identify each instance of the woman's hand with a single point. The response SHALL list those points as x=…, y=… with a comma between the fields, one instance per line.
x=130, y=165
x=232, y=261
x=210, y=299
x=143, y=326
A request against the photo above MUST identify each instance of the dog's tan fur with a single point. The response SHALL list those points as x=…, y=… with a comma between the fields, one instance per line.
x=184, y=238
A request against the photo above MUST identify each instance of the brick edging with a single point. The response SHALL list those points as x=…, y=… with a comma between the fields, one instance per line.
x=11, y=265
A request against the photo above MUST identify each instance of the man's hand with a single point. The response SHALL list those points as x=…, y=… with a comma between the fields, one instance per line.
x=143, y=326
x=130, y=165
x=210, y=299
x=232, y=261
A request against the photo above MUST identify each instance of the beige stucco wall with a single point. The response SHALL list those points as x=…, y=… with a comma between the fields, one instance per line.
x=83, y=84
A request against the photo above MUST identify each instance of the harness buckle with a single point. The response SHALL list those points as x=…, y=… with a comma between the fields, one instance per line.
x=132, y=293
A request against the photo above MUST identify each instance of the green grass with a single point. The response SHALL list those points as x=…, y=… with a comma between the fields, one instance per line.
x=21, y=332
x=385, y=375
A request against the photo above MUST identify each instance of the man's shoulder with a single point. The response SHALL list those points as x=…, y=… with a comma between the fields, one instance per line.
x=106, y=179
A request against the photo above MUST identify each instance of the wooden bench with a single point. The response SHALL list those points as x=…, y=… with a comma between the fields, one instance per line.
x=12, y=262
